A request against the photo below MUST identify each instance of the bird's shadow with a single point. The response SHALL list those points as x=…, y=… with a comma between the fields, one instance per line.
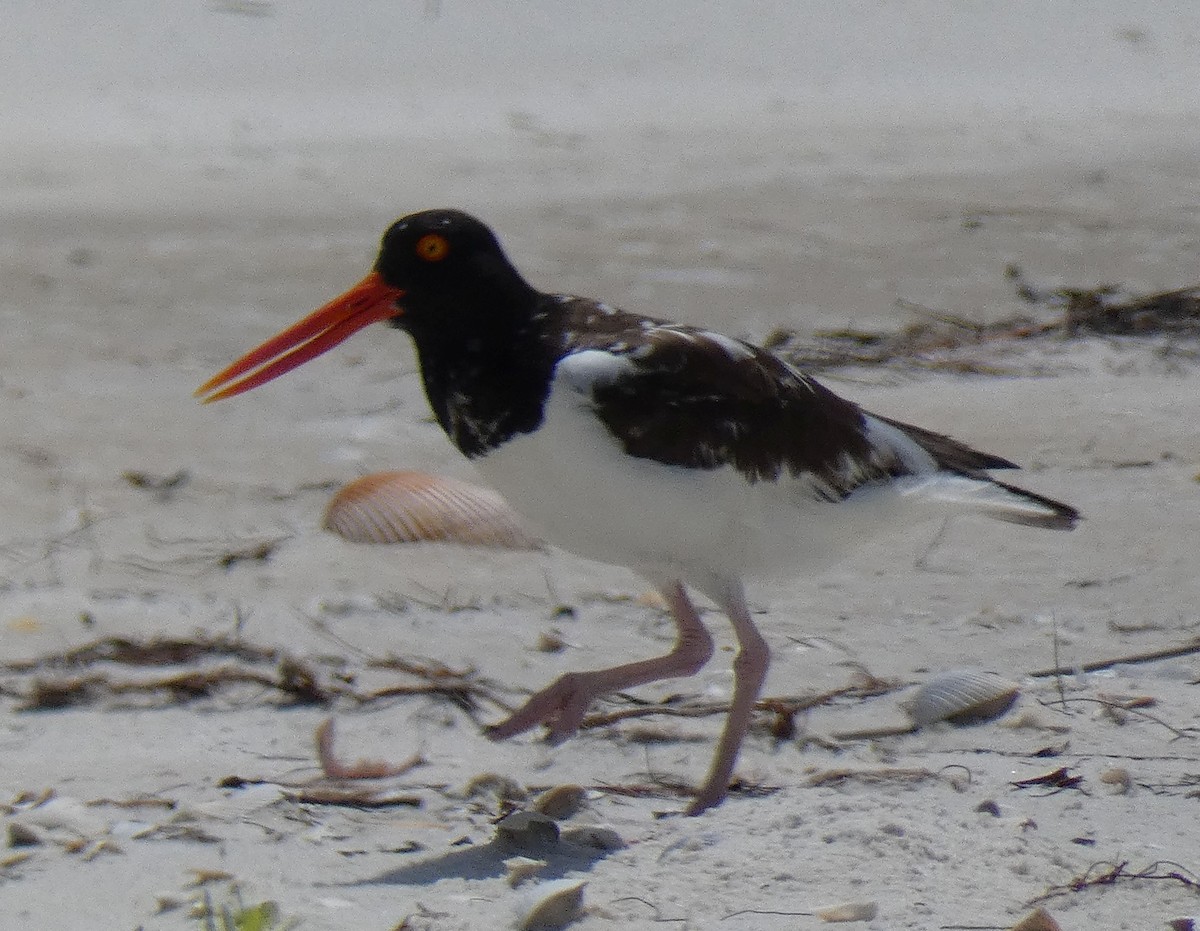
x=484, y=861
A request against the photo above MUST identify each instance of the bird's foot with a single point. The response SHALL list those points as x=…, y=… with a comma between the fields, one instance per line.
x=560, y=706
x=707, y=797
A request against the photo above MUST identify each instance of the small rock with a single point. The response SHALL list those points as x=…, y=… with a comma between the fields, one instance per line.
x=1119, y=778
x=22, y=835
x=849, y=911
x=551, y=641
x=527, y=830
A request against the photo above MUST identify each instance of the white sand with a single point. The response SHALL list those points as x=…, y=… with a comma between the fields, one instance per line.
x=182, y=183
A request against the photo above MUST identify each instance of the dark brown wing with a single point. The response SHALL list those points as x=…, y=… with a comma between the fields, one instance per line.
x=685, y=397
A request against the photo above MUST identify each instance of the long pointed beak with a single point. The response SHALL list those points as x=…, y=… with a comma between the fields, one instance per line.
x=369, y=301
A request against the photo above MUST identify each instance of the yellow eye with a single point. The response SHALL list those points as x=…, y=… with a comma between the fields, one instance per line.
x=432, y=247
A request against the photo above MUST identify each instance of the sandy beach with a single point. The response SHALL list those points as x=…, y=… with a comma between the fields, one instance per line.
x=175, y=624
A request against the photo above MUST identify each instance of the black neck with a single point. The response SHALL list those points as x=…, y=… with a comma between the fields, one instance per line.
x=486, y=363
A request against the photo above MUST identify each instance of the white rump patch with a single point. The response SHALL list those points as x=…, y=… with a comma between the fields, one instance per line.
x=582, y=372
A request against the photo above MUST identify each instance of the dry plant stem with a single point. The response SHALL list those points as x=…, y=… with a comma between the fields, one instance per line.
x=1149, y=656
x=1132, y=709
x=696, y=709
x=334, y=768
x=885, y=774
x=351, y=798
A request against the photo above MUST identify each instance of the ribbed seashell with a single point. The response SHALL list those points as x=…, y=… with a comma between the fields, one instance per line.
x=551, y=905
x=962, y=696
x=415, y=507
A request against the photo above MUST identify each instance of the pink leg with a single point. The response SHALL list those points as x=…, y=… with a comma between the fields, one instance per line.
x=562, y=705
x=749, y=670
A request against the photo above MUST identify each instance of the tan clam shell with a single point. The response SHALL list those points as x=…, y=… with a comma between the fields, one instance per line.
x=962, y=696
x=551, y=905
x=1040, y=920
x=561, y=802
x=416, y=507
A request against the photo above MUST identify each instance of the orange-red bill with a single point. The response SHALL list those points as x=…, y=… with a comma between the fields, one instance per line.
x=369, y=301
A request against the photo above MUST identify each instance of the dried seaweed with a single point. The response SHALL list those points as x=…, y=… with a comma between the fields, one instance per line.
x=1109, y=874
x=157, y=651
x=45, y=684
x=335, y=768
x=937, y=339
x=1056, y=780
x=785, y=707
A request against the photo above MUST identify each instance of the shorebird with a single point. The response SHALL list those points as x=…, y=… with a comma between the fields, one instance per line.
x=695, y=459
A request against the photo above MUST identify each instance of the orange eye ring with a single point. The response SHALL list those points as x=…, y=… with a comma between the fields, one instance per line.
x=432, y=247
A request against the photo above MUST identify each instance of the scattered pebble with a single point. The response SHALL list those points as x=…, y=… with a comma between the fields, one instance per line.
x=22, y=835
x=849, y=911
x=551, y=641
x=1119, y=778
x=527, y=830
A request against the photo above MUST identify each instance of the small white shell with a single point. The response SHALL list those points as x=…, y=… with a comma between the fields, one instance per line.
x=962, y=696
x=415, y=507
x=551, y=905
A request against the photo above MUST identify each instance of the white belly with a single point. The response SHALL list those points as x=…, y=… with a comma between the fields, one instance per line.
x=572, y=478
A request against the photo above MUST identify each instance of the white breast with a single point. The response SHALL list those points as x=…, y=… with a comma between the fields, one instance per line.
x=572, y=477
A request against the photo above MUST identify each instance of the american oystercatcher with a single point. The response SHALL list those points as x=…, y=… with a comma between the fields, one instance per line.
x=692, y=458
